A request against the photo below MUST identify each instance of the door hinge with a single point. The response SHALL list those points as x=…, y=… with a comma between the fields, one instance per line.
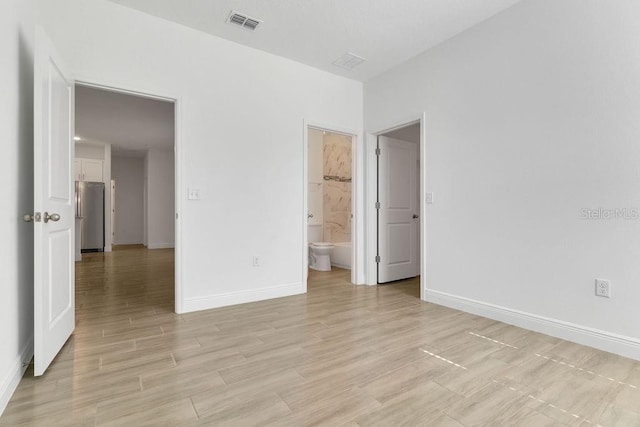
x=377, y=151
x=377, y=205
x=378, y=258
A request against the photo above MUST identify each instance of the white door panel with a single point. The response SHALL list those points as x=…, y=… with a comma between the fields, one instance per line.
x=60, y=300
x=398, y=224
x=399, y=177
x=54, y=276
x=398, y=251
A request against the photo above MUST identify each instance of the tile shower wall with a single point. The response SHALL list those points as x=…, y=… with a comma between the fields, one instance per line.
x=337, y=192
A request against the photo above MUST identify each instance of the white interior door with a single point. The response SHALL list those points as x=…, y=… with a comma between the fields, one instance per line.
x=54, y=217
x=398, y=222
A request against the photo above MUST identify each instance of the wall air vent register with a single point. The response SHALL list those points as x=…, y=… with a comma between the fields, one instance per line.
x=242, y=20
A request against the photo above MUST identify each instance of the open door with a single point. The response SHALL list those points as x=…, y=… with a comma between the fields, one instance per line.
x=54, y=299
x=398, y=223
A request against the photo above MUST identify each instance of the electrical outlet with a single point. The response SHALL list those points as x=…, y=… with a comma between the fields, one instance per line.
x=603, y=288
x=256, y=261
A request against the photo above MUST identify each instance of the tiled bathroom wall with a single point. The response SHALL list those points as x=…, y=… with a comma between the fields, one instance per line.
x=337, y=188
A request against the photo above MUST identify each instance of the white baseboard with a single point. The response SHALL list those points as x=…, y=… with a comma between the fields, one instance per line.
x=613, y=343
x=127, y=242
x=161, y=245
x=14, y=375
x=241, y=297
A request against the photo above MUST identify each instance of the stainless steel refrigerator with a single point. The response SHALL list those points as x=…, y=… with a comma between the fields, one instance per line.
x=90, y=207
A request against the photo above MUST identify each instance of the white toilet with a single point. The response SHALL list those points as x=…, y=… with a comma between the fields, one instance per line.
x=319, y=252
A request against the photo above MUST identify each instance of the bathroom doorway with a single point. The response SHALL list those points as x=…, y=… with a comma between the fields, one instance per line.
x=329, y=181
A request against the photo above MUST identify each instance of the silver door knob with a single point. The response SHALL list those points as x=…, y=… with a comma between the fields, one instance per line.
x=35, y=217
x=309, y=215
x=415, y=216
x=53, y=217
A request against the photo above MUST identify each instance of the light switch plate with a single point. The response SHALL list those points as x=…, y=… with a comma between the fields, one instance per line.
x=193, y=194
x=428, y=198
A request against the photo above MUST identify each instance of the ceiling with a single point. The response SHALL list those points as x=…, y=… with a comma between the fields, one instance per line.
x=131, y=124
x=409, y=133
x=317, y=32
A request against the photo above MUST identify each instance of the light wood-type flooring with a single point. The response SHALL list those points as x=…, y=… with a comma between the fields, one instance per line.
x=339, y=355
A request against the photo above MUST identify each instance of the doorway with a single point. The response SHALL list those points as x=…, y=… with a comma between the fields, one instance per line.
x=329, y=201
x=395, y=217
x=135, y=137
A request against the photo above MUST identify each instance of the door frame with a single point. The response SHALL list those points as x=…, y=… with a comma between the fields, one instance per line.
x=161, y=95
x=112, y=207
x=371, y=197
x=357, y=199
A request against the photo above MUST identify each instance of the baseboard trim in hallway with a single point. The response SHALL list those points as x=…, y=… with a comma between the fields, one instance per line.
x=161, y=245
x=602, y=340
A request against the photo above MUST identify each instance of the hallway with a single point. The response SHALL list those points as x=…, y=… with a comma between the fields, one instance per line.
x=338, y=354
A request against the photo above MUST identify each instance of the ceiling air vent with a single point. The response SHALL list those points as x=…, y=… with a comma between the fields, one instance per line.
x=349, y=61
x=243, y=20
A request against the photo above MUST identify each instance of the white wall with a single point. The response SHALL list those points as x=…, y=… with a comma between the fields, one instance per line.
x=16, y=192
x=160, y=219
x=128, y=173
x=241, y=119
x=531, y=116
